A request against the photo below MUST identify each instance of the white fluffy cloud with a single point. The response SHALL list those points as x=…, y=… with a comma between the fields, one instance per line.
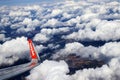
x=70, y=48
x=47, y=34
x=83, y=18
x=52, y=23
x=50, y=70
x=78, y=49
x=18, y=13
x=2, y=37
x=107, y=51
x=111, y=49
x=34, y=7
x=19, y=43
x=56, y=12
x=101, y=30
x=16, y=48
x=110, y=72
x=41, y=38
x=39, y=48
x=5, y=22
x=30, y=23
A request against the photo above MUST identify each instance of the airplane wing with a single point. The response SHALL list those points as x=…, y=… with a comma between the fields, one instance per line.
x=16, y=70
x=9, y=72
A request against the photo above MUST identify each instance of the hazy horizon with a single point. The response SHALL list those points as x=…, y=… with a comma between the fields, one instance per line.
x=23, y=2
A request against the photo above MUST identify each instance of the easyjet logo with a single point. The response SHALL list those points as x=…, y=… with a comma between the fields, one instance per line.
x=31, y=49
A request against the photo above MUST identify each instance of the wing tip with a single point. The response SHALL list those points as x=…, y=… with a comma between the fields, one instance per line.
x=34, y=55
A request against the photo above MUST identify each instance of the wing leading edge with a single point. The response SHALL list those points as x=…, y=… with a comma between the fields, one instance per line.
x=9, y=72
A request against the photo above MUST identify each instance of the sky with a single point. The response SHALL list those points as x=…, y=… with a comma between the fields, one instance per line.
x=23, y=2
x=26, y=2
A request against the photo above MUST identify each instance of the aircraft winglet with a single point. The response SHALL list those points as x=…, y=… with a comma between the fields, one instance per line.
x=34, y=55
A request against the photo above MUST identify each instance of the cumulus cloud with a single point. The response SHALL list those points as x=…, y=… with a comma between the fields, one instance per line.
x=8, y=61
x=56, y=12
x=111, y=49
x=5, y=22
x=41, y=38
x=28, y=18
x=55, y=31
x=104, y=52
x=52, y=46
x=110, y=72
x=103, y=30
x=46, y=34
x=18, y=13
x=29, y=22
x=16, y=48
x=50, y=70
x=34, y=7
x=78, y=49
x=52, y=23
x=27, y=25
x=39, y=48
x=2, y=37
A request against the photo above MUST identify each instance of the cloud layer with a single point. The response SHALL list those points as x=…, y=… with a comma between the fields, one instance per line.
x=13, y=50
x=50, y=70
x=61, y=29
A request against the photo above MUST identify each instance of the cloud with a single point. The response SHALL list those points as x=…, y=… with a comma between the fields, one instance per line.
x=2, y=37
x=39, y=48
x=8, y=61
x=41, y=38
x=27, y=25
x=56, y=12
x=50, y=70
x=103, y=30
x=109, y=48
x=5, y=21
x=46, y=34
x=71, y=48
x=110, y=71
x=52, y=23
x=29, y=22
x=13, y=50
x=34, y=7
x=104, y=52
x=53, y=46
x=18, y=13
x=68, y=21
x=105, y=72
x=78, y=49
x=23, y=19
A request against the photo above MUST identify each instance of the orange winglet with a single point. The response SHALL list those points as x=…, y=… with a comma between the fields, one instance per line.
x=33, y=54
